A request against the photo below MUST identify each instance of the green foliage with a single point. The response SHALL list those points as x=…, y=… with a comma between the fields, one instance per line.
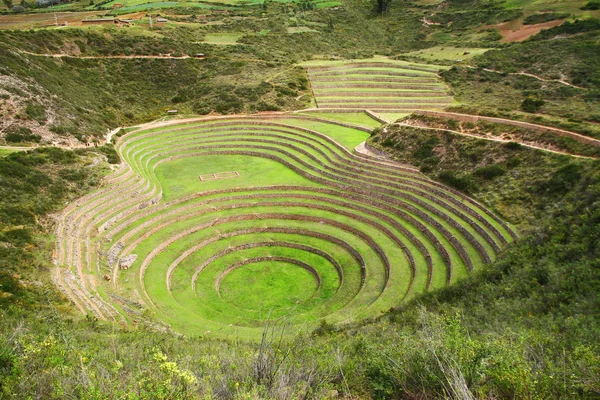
x=34, y=183
x=35, y=111
x=574, y=54
x=109, y=151
x=531, y=104
x=425, y=148
x=306, y=5
x=457, y=180
x=563, y=180
x=591, y=5
x=20, y=135
x=544, y=17
x=513, y=146
x=515, y=181
x=465, y=14
x=490, y=172
x=382, y=6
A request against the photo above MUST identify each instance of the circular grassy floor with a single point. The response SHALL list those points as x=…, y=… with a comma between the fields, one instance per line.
x=268, y=285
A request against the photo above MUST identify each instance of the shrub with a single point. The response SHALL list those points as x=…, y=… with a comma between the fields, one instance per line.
x=109, y=151
x=591, y=5
x=457, y=181
x=564, y=179
x=263, y=106
x=20, y=135
x=229, y=102
x=425, y=149
x=489, y=172
x=35, y=111
x=513, y=146
x=544, y=17
x=453, y=124
x=532, y=104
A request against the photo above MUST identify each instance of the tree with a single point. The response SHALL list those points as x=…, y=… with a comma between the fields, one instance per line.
x=8, y=4
x=306, y=5
x=383, y=6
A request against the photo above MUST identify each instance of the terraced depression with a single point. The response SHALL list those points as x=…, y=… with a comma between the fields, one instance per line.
x=379, y=85
x=217, y=225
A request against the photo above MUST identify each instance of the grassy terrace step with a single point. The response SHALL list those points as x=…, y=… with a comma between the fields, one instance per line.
x=368, y=100
x=422, y=202
x=383, y=86
x=378, y=85
x=359, y=234
x=364, y=71
x=219, y=127
x=372, y=78
x=343, y=92
x=384, y=106
x=385, y=65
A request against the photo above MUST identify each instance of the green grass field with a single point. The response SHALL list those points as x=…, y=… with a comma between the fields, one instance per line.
x=5, y=150
x=236, y=221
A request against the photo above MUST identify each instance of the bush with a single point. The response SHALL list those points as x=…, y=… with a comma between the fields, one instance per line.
x=513, y=146
x=35, y=111
x=591, y=5
x=532, y=104
x=264, y=106
x=425, y=149
x=489, y=172
x=228, y=102
x=21, y=135
x=563, y=179
x=544, y=17
x=429, y=164
x=457, y=181
x=109, y=151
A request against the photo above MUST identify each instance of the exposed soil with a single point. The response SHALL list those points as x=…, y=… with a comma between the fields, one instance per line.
x=514, y=31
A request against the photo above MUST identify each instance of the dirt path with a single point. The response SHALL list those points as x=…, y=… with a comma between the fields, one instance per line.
x=110, y=134
x=16, y=148
x=362, y=149
x=539, y=78
x=498, y=140
x=528, y=125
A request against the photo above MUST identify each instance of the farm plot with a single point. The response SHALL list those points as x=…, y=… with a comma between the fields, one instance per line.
x=306, y=230
x=379, y=85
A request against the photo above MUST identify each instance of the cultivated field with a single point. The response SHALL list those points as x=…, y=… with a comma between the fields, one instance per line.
x=28, y=21
x=219, y=224
x=379, y=85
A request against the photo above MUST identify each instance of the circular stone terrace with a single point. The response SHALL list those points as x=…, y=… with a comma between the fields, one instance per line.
x=220, y=224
